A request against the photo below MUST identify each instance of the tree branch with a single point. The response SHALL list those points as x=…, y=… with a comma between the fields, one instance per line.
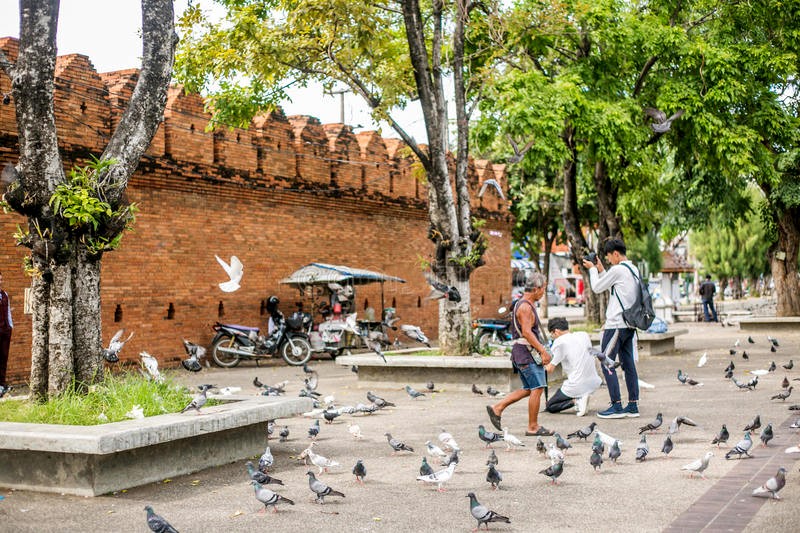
x=637, y=88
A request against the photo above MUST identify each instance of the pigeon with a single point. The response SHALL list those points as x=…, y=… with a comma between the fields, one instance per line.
x=321, y=462
x=476, y=390
x=448, y=440
x=730, y=367
x=450, y=459
x=772, y=367
x=652, y=426
x=313, y=430
x=398, y=445
x=755, y=424
x=677, y=422
x=434, y=450
x=375, y=346
x=745, y=356
x=415, y=333
x=772, y=486
x=511, y=440
x=425, y=469
x=606, y=361
x=789, y=365
x=311, y=381
x=722, y=436
x=597, y=444
x=642, y=449
x=360, y=471
x=150, y=364
x=728, y=374
x=682, y=377
x=554, y=471
x=367, y=409
x=782, y=395
x=785, y=383
x=750, y=340
x=772, y=349
x=441, y=290
x=377, y=400
x=267, y=497
x=703, y=360
x=493, y=183
x=440, y=478
x=554, y=454
x=737, y=343
x=111, y=354
x=742, y=447
x=196, y=353
x=698, y=466
x=732, y=351
x=5, y=390
x=614, y=452
x=491, y=391
x=261, y=477
x=666, y=448
x=662, y=124
x=482, y=514
x=686, y=380
x=773, y=341
x=413, y=393
x=320, y=489
x=157, y=523
x=540, y=447
x=596, y=460
x=492, y=458
x=794, y=407
x=493, y=477
x=608, y=440
x=330, y=415
x=284, y=434
x=430, y=386
x=749, y=385
x=266, y=460
x=234, y=270
x=583, y=433
x=562, y=444
x=354, y=430
x=199, y=400
x=766, y=435
x=488, y=436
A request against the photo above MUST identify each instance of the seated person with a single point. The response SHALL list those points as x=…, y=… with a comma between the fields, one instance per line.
x=571, y=350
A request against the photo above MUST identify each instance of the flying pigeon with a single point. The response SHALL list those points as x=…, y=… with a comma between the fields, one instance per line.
x=397, y=445
x=493, y=477
x=425, y=469
x=261, y=477
x=614, y=452
x=666, y=448
x=511, y=440
x=195, y=353
x=157, y=523
x=415, y=333
x=440, y=478
x=662, y=124
x=482, y=514
x=755, y=424
x=652, y=426
x=267, y=497
x=583, y=433
x=476, y=390
x=320, y=489
x=766, y=435
x=677, y=422
x=377, y=400
x=603, y=358
x=703, y=360
x=414, y=393
x=742, y=447
x=488, y=436
x=150, y=364
x=199, y=400
x=360, y=471
x=554, y=471
x=234, y=271
x=111, y=354
x=441, y=290
x=789, y=365
x=493, y=183
x=374, y=345
x=772, y=486
x=596, y=460
x=782, y=395
x=642, y=449
x=698, y=466
x=722, y=436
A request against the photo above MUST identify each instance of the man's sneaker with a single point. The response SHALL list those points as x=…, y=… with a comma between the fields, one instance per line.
x=631, y=410
x=614, y=411
x=582, y=404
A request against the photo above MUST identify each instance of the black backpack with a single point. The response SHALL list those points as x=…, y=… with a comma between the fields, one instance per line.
x=641, y=313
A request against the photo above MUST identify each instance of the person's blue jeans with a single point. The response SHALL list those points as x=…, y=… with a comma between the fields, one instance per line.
x=709, y=305
x=622, y=349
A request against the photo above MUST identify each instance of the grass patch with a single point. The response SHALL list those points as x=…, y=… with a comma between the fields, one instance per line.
x=113, y=398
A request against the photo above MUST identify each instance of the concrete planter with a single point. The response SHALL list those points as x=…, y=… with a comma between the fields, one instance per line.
x=94, y=460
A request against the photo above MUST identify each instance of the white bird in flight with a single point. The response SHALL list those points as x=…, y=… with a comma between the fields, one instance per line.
x=234, y=271
x=494, y=183
x=151, y=365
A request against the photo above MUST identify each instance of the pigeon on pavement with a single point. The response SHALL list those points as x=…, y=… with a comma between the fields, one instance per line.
x=434, y=450
x=440, y=478
x=766, y=435
x=642, y=449
x=397, y=445
x=491, y=391
x=596, y=460
x=493, y=477
x=597, y=444
x=703, y=360
x=488, y=436
x=321, y=462
x=377, y=400
x=782, y=395
x=492, y=458
x=157, y=523
x=320, y=489
x=476, y=390
x=448, y=441
x=652, y=426
x=666, y=448
x=511, y=440
x=261, y=477
x=425, y=469
x=267, y=497
x=561, y=443
x=755, y=424
x=583, y=433
x=313, y=430
x=234, y=270
x=608, y=440
x=699, y=466
x=614, y=452
x=789, y=365
x=554, y=454
x=540, y=447
x=284, y=434
x=360, y=471
x=482, y=514
x=266, y=460
x=413, y=393
x=554, y=471
x=772, y=486
x=199, y=400
x=742, y=447
x=722, y=436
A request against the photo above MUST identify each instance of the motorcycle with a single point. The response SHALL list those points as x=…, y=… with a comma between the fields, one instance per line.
x=495, y=331
x=232, y=343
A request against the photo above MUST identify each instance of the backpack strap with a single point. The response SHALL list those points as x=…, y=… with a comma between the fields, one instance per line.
x=634, y=277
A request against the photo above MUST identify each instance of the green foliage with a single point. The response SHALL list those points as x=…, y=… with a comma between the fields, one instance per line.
x=113, y=397
x=646, y=249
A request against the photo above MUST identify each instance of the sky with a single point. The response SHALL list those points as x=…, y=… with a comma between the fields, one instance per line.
x=108, y=32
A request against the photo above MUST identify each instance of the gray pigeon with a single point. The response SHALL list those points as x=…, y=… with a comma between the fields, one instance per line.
x=642, y=449
x=614, y=452
x=742, y=447
x=284, y=434
x=766, y=435
x=360, y=471
x=374, y=345
x=491, y=391
x=415, y=333
x=755, y=424
x=413, y=393
x=397, y=445
x=492, y=458
x=267, y=497
x=425, y=469
x=597, y=444
x=476, y=390
x=583, y=433
x=667, y=446
x=661, y=123
x=493, y=477
x=772, y=486
x=111, y=354
x=488, y=436
x=722, y=436
x=540, y=447
x=261, y=477
x=482, y=514
x=266, y=460
x=677, y=422
x=782, y=395
x=596, y=460
x=789, y=365
x=452, y=458
x=313, y=430
x=377, y=400
x=157, y=523
x=562, y=444
x=320, y=489
x=554, y=471
x=199, y=400
x=652, y=426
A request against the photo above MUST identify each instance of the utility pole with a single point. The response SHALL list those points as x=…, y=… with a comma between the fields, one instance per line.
x=340, y=92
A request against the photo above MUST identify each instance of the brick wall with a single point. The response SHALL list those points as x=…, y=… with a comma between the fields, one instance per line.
x=264, y=194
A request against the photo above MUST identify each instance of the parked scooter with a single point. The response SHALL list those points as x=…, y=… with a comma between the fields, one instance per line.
x=496, y=331
x=233, y=343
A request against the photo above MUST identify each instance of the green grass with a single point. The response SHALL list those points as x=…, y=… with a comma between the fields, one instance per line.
x=114, y=397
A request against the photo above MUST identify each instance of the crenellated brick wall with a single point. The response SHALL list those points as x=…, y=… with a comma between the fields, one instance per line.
x=285, y=192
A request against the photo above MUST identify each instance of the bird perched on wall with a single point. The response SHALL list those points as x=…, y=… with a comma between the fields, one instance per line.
x=441, y=290
x=415, y=333
x=150, y=364
x=494, y=183
x=157, y=523
x=482, y=514
x=195, y=353
x=234, y=270
x=111, y=354
x=200, y=399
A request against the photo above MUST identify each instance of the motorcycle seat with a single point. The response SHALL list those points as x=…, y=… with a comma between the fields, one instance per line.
x=240, y=327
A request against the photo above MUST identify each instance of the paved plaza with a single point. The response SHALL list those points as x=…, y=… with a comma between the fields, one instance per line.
x=650, y=496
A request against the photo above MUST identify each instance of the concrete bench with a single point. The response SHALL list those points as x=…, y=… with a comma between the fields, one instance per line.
x=651, y=343
x=94, y=460
x=684, y=316
x=446, y=372
x=789, y=324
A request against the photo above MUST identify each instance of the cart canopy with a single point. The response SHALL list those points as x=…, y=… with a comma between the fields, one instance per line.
x=322, y=273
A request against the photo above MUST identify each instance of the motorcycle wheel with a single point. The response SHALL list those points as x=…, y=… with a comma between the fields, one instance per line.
x=296, y=355
x=484, y=340
x=225, y=360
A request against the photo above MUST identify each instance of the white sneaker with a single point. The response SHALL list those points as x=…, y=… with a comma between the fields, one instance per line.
x=582, y=404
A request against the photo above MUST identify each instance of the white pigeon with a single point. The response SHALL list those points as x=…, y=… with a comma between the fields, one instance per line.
x=736, y=344
x=793, y=449
x=759, y=372
x=608, y=440
x=441, y=477
x=354, y=430
x=493, y=183
x=646, y=385
x=151, y=365
x=314, y=413
x=415, y=333
x=136, y=412
x=266, y=460
x=699, y=465
x=234, y=271
x=434, y=450
x=228, y=391
x=510, y=439
x=448, y=441
x=554, y=454
x=703, y=360
x=321, y=462
x=329, y=400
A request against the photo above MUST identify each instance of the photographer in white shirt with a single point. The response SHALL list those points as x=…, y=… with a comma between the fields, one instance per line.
x=571, y=351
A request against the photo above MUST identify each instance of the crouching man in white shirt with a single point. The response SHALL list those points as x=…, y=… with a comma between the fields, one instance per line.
x=571, y=350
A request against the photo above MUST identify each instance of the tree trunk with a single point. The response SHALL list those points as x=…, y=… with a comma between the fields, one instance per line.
x=87, y=321
x=783, y=263
x=40, y=293
x=455, y=328
x=59, y=335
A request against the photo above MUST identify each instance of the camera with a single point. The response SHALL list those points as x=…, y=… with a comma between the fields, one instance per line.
x=591, y=257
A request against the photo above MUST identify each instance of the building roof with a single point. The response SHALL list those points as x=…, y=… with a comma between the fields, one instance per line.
x=672, y=262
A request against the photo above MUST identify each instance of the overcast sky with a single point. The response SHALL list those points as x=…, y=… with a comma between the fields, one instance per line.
x=108, y=32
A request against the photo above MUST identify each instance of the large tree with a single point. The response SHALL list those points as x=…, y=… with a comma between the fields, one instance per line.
x=389, y=53
x=73, y=219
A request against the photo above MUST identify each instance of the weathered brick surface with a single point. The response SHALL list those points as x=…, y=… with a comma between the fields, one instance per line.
x=286, y=192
